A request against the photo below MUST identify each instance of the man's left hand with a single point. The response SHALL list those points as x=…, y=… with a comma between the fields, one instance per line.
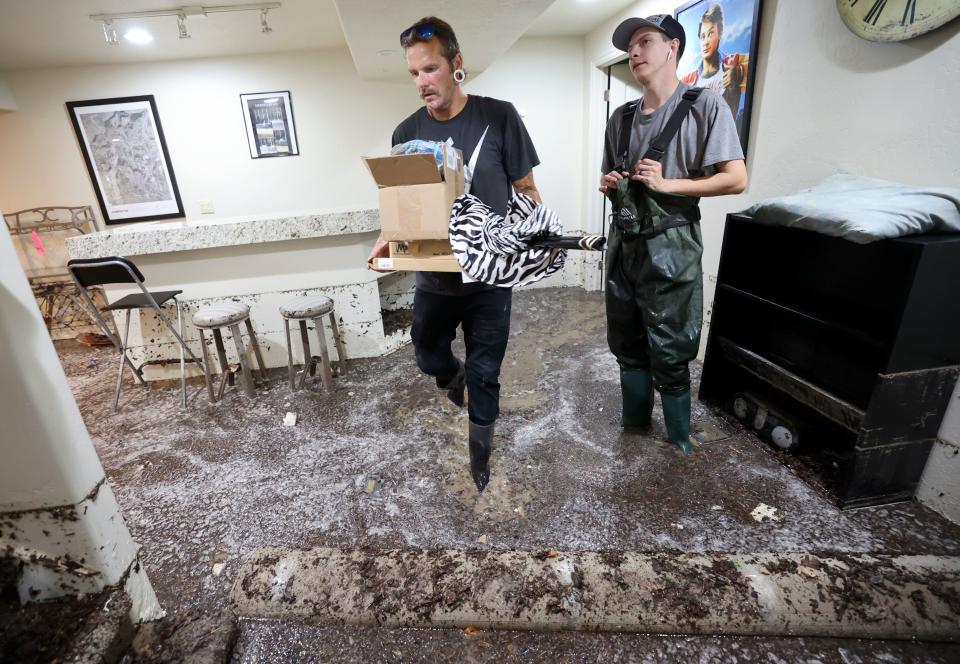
x=650, y=173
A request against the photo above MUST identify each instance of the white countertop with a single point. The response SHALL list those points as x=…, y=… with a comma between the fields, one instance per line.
x=159, y=237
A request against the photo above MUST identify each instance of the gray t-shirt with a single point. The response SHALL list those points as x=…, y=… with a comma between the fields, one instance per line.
x=707, y=136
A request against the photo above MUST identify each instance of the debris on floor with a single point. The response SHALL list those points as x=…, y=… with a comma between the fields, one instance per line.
x=762, y=512
x=290, y=419
x=225, y=477
x=93, y=339
x=372, y=487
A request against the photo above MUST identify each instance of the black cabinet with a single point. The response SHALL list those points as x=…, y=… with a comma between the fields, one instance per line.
x=859, y=342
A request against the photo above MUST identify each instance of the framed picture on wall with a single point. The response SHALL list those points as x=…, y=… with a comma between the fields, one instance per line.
x=721, y=52
x=126, y=155
x=268, y=117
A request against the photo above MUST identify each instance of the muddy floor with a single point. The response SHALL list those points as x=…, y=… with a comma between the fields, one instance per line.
x=381, y=462
x=268, y=641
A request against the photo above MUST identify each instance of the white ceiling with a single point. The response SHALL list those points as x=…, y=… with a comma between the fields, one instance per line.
x=56, y=33
x=575, y=17
x=485, y=29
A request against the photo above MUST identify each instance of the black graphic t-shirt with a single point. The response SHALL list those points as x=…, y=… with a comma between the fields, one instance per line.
x=506, y=154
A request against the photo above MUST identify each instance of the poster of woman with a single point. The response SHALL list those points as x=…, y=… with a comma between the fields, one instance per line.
x=721, y=54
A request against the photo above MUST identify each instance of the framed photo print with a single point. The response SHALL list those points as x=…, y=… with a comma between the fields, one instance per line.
x=268, y=117
x=127, y=158
x=721, y=52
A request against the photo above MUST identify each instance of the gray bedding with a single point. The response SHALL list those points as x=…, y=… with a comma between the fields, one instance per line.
x=864, y=209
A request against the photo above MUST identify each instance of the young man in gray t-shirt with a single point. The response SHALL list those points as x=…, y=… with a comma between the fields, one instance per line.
x=654, y=289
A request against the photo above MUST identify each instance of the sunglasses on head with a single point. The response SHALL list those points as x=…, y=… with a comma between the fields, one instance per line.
x=423, y=31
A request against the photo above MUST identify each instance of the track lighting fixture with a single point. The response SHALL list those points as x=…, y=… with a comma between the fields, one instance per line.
x=182, y=26
x=110, y=33
x=181, y=14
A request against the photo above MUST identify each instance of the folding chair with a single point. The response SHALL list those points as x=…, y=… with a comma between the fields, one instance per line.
x=88, y=272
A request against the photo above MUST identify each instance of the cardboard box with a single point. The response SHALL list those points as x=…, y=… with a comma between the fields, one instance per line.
x=415, y=201
x=419, y=256
x=420, y=249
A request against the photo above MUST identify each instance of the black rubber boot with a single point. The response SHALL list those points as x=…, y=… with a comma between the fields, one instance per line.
x=676, y=415
x=636, y=391
x=481, y=443
x=456, y=387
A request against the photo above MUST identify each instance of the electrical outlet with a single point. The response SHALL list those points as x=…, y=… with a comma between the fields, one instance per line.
x=206, y=207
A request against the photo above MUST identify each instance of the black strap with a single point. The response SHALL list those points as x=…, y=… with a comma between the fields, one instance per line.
x=658, y=147
x=623, y=141
x=670, y=221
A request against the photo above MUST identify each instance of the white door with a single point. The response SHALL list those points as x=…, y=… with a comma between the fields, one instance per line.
x=622, y=85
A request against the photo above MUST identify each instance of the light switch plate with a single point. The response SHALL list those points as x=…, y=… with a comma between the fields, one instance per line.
x=206, y=207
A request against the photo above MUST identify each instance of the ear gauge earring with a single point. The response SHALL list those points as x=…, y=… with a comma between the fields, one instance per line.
x=459, y=75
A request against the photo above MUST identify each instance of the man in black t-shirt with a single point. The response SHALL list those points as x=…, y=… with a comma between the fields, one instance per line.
x=499, y=157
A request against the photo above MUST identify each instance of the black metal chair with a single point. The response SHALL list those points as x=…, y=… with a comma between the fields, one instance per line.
x=88, y=272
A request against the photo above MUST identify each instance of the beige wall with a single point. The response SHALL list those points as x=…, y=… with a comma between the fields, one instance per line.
x=7, y=102
x=542, y=78
x=338, y=118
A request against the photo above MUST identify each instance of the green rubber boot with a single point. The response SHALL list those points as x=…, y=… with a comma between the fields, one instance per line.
x=636, y=390
x=676, y=415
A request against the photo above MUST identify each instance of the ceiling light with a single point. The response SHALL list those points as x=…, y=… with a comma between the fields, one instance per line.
x=138, y=36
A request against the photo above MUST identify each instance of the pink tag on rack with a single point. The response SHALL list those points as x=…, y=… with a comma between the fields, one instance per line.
x=38, y=243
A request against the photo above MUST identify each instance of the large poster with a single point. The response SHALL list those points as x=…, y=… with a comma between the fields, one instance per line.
x=127, y=159
x=721, y=52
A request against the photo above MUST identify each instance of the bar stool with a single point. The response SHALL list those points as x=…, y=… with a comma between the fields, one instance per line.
x=302, y=309
x=229, y=314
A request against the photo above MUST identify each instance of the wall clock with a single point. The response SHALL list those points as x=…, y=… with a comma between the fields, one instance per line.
x=896, y=20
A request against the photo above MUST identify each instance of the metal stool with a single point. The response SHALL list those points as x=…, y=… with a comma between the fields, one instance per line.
x=302, y=309
x=230, y=315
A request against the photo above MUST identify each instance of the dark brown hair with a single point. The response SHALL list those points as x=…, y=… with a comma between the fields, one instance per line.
x=442, y=32
x=714, y=14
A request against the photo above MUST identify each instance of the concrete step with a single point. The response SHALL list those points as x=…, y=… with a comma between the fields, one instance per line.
x=260, y=641
x=762, y=594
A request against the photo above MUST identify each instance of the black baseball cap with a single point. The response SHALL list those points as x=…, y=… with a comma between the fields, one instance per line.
x=662, y=22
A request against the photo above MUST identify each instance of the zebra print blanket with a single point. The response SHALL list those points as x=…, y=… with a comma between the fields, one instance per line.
x=494, y=250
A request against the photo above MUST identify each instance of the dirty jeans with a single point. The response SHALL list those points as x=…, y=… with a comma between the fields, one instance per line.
x=485, y=319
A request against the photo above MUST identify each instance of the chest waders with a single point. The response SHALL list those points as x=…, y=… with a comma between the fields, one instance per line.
x=654, y=288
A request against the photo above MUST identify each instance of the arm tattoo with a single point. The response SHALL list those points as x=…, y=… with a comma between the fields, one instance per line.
x=526, y=185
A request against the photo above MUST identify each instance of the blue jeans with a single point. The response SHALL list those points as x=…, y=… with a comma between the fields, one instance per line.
x=485, y=319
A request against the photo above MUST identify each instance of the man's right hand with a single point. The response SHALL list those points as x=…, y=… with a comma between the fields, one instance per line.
x=608, y=181
x=380, y=250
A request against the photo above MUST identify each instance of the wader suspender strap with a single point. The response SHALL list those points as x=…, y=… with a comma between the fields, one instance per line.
x=623, y=140
x=658, y=146
x=657, y=149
